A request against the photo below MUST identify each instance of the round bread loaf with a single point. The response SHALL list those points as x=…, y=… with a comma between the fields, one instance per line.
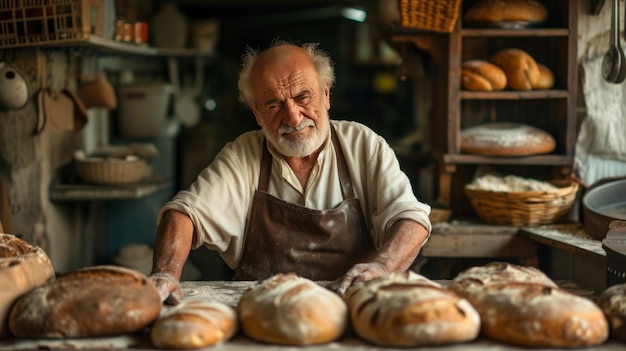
x=480, y=75
x=522, y=72
x=537, y=315
x=89, y=302
x=290, y=310
x=506, y=139
x=407, y=309
x=194, y=324
x=612, y=301
x=546, y=78
x=23, y=267
x=497, y=11
x=474, y=279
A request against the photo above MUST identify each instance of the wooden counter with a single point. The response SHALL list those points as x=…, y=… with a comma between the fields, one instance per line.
x=229, y=292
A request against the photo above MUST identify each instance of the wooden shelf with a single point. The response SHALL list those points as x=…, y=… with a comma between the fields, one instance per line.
x=539, y=160
x=532, y=32
x=514, y=95
x=108, y=46
x=93, y=192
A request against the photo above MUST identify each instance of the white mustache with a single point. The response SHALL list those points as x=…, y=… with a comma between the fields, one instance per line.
x=284, y=129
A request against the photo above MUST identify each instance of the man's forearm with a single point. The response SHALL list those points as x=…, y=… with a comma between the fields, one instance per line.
x=402, y=245
x=172, y=243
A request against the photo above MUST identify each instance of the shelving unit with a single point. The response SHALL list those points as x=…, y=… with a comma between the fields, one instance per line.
x=554, y=44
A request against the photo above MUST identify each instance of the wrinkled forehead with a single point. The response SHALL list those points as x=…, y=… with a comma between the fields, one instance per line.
x=282, y=67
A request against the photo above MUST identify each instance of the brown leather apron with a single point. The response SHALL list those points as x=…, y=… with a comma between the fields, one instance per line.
x=284, y=237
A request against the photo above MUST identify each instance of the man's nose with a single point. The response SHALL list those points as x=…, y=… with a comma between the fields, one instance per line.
x=292, y=116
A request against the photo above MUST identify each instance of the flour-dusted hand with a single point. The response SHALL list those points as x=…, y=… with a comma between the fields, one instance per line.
x=358, y=273
x=168, y=287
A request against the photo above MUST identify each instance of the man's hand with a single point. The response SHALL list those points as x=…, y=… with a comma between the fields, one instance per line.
x=358, y=273
x=168, y=287
x=402, y=245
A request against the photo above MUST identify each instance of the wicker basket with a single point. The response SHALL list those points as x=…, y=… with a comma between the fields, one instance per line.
x=528, y=208
x=33, y=22
x=111, y=171
x=433, y=15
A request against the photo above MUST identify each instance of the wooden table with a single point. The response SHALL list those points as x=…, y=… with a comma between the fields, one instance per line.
x=228, y=292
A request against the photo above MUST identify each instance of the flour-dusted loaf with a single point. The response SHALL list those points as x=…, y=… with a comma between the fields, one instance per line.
x=521, y=69
x=506, y=139
x=408, y=310
x=89, y=302
x=291, y=310
x=520, y=305
x=194, y=324
x=23, y=267
x=480, y=75
x=612, y=301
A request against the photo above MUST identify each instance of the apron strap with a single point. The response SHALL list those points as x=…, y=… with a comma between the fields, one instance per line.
x=344, y=176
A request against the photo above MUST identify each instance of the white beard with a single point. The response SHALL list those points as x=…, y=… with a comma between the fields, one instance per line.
x=299, y=146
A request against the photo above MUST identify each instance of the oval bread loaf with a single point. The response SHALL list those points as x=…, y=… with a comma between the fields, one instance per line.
x=480, y=75
x=89, y=302
x=506, y=139
x=536, y=315
x=194, y=324
x=290, y=310
x=546, y=78
x=23, y=267
x=612, y=301
x=520, y=305
x=522, y=72
x=494, y=11
x=407, y=309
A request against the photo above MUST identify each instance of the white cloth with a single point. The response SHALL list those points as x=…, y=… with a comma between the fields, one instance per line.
x=220, y=199
x=601, y=145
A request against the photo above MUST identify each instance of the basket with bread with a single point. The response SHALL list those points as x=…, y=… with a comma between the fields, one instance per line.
x=518, y=201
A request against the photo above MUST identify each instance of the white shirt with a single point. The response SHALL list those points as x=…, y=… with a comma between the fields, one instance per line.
x=220, y=199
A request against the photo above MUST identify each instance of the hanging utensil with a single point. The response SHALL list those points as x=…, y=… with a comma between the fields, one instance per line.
x=14, y=90
x=614, y=59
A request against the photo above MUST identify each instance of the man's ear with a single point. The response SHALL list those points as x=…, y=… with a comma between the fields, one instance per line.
x=254, y=112
x=327, y=97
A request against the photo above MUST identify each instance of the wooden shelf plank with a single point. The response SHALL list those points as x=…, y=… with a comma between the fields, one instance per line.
x=94, y=192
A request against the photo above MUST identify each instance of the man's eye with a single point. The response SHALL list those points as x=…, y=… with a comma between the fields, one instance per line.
x=303, y=99
x=273, y=107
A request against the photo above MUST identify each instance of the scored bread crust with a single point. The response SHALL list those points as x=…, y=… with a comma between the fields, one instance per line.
x=536, y=315
x=474, y=279
x=480, y=75
x=194, y=324
x=494, y=11
x=89, y=302
x=546, y=78
x=612, y=301
x=521, y=69
x=407, y=309
x=290, y=310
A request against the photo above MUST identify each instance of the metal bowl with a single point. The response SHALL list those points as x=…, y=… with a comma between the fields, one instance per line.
x=603, y=204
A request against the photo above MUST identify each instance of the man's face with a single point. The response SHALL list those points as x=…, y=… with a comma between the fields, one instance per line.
x=289, y=103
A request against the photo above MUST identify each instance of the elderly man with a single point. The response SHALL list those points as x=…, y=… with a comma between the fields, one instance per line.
x=322, y=198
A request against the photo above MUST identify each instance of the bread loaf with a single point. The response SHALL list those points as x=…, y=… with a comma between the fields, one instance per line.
x=496, y=11
x=612, y=301
x=23, y=267
x=480, y=75
x=406, y=309
x=536, y=315
x=546, y=78
x=194, y=324
x=522, y=306
x=290, y=310
x=522, y=72
x=474, y=279
x=506, y=139
x=89, y=302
